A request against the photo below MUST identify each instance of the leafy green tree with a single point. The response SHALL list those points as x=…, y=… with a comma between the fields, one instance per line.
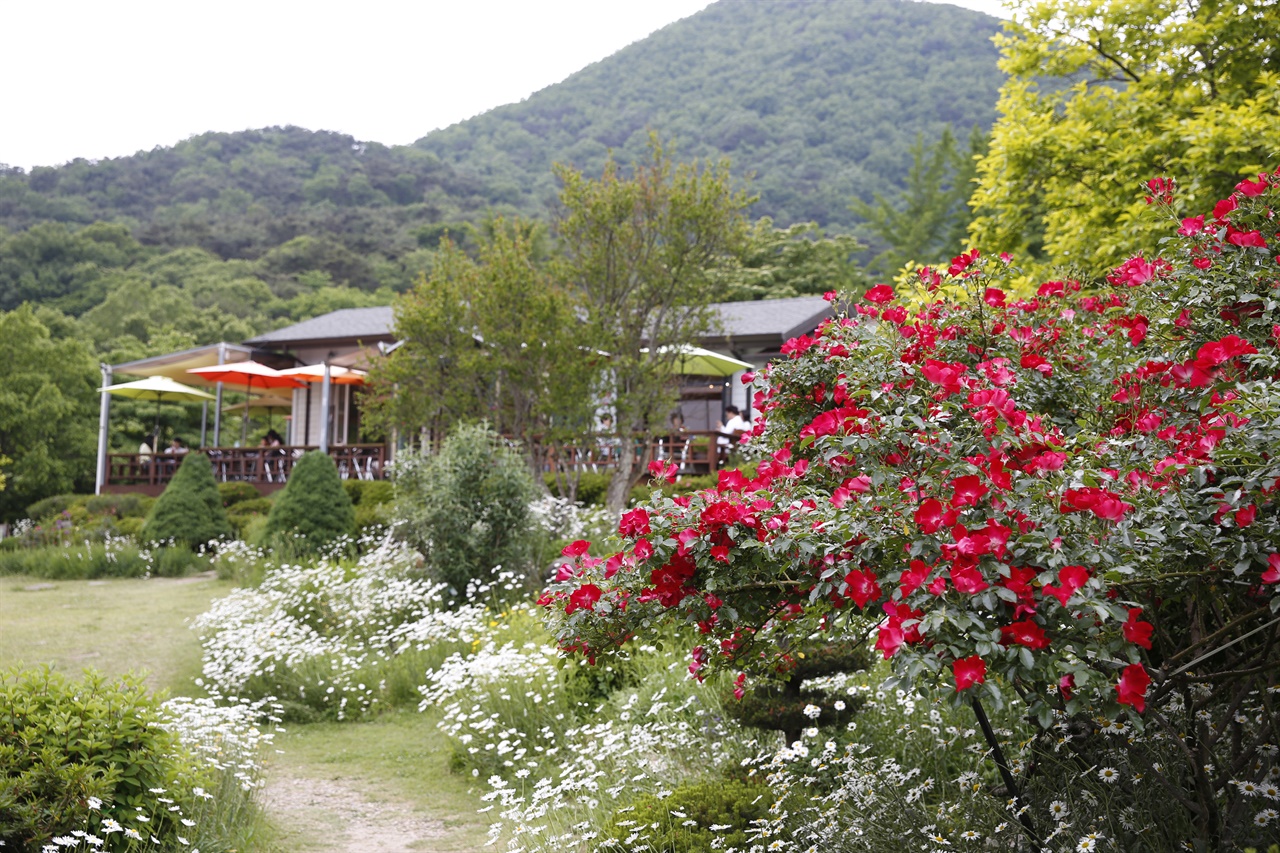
x=313, y=505
x=189, y=511
x=1104, y=95
x=796, y=261
x=48, y=401
x=643, y=251
x=930, y=219
x=492, y=338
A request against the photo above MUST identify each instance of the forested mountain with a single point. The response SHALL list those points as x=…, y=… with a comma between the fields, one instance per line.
x=820, y=99
x=233, y=233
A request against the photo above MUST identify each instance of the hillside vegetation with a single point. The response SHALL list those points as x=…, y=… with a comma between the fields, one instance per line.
x=820, y=99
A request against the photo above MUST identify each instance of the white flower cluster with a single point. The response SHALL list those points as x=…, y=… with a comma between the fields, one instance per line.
x=561, y=518
x=227, y=735
x=323, y=634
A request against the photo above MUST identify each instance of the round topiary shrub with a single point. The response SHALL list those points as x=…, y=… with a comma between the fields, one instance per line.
x=190, y=509
x=313, y=506
x=236, y=492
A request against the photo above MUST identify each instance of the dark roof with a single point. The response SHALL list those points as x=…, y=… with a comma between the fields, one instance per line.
x=767, y=321
x=771, y=319
x=363, y=324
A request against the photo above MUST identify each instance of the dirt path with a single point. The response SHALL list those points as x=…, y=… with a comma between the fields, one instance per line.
x=332, y=815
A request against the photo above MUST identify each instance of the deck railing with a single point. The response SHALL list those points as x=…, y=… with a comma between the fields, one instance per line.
x=693, y=452
x=267, y=468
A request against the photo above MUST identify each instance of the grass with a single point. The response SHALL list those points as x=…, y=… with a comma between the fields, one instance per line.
x=113, y=626
x=125, y=625
x=399, y=756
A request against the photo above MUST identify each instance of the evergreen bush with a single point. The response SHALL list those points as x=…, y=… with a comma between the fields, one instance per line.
x=190, y=509
x=313, y=505
x=467, y=507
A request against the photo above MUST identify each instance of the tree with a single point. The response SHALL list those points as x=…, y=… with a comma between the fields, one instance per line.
x=1104, y=95
x=492, y=338
x=48, y=403
x=189, y=510
x=950, y=479
x=797, y=261
x=466, y=508
x=313, y=507
x=931, y=217
x=643, y=252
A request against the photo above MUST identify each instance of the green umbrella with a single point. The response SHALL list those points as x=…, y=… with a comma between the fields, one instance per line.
x=696, y=361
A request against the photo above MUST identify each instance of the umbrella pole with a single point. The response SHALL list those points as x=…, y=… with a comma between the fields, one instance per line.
x=244, y=419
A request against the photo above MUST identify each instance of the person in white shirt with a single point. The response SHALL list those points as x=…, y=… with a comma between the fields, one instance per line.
x=732, y=429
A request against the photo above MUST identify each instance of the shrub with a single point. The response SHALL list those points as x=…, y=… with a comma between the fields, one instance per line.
x=591, y=487
x=467, y=507
x=50, y=507
x=682, y=821
x=370, y=517
x=236, y=492
x=791, y=705
x=63, y=742
x=190, y=509
x=369, y=492
x=313, y=505
x=130, y=505
x=243, y=514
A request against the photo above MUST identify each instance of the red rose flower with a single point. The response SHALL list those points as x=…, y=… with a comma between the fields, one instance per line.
x=879, y=294
x=1025, y=633
x=969, y=671
x=583, y=598
x=1132, y=689
x=862, y=586
x=1135, y=630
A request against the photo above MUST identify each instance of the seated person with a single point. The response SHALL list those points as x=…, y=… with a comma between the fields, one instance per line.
x=177, y=447
x=732, y=429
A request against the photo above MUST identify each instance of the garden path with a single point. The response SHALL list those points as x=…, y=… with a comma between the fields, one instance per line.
x=332, y=815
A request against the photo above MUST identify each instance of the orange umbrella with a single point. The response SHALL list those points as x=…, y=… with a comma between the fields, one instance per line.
x=250, y=374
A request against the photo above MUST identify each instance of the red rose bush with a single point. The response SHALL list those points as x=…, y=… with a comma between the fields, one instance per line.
x=1066, y=497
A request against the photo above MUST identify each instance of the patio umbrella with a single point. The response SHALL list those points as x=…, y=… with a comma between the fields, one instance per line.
x=251, y=375
x=337, y=375
x=696, y=361
x=162, y=389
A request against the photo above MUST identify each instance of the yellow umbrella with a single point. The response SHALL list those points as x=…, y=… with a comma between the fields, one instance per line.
x=162, y=389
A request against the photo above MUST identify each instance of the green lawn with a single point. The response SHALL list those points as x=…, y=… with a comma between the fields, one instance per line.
x=113, y=626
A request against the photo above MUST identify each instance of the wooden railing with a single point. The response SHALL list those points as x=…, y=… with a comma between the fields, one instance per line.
x=693, y=451
x=268, y=468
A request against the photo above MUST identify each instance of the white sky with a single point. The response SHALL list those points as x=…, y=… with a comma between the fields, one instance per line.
x=106, y=79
